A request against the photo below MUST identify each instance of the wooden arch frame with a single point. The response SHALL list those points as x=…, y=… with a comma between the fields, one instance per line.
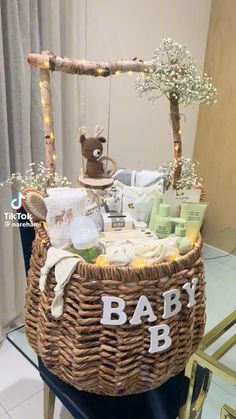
x=48, y=62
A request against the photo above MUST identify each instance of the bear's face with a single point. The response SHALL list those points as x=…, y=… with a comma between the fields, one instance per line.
x=92, y=148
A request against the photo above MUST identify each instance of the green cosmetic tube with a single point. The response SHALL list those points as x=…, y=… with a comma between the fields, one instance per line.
x=194, y=214
x=158, y=199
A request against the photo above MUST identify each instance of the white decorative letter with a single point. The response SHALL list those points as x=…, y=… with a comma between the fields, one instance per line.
x=158, y=334
x=143, y=309
x=108, y=310
x=191, y=291
x=172, y=305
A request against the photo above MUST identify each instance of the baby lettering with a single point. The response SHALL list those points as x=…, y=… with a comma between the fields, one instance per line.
x=114, y=313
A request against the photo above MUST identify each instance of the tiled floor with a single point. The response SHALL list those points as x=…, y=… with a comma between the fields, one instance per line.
x=21, y=395
x=21, y=387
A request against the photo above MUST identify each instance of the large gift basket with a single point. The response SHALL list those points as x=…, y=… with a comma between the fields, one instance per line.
x=114, y=360
x=121, y=329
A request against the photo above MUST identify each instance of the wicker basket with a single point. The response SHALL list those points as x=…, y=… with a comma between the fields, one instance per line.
x=113, y=360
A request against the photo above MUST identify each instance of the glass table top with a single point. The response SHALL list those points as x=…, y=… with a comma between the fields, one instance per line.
x=18, y=338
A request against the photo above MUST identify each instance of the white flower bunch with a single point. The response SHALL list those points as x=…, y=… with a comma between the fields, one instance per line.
x=175, y=74
x=189, y=176
x=38, y=177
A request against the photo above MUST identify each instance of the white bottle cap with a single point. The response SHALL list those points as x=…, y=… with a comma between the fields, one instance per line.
x=83, y=233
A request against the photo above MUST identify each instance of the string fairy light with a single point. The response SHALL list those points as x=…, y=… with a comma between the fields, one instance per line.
x=138, y=263
x=46, y=64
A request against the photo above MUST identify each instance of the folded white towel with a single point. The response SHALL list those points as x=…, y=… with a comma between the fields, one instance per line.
x=65, y=263
x=63, y=205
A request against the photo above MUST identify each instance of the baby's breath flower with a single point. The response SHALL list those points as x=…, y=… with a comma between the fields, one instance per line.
x=175, y=74
x=189, y=176
x=38, y=177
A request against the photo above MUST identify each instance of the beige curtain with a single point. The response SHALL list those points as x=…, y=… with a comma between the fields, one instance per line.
x=33, y=25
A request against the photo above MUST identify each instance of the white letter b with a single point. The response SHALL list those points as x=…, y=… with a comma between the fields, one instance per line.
x=108, y=310
x=159, y=334
x=172, y=305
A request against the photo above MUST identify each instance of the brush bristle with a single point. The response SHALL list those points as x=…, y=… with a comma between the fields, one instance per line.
x=35, y=205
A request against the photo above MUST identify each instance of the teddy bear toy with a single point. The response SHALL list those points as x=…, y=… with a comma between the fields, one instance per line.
x=92, y=149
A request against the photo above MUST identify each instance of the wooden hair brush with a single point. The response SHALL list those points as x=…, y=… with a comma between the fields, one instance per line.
x=34, y=204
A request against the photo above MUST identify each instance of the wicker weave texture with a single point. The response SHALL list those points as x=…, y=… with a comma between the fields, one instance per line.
x=114, y=360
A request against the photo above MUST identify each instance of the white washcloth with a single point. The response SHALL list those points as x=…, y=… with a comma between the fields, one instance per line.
x=63, y=206
x=65, y=263
x=152, y=251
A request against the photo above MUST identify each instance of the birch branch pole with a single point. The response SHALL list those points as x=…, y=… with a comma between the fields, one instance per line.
x=46, y=102
x=52, y=62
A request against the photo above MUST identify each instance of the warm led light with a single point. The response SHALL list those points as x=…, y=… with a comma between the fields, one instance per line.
x=46, y=119
x=176, y=256
x=54, y=157
x=138, y=263
x=101, y=261
x=43, y=102
x=179, y=132
x=40, y=83
x=117, y=73
x=52, y=136
x=100, y=70
x=46, y=64
x=130, y=72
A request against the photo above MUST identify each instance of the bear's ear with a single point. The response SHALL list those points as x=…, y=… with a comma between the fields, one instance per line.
x=82, y=138
x=102, y=139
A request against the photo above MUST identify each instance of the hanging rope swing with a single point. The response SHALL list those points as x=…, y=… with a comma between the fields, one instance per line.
x=96, y=173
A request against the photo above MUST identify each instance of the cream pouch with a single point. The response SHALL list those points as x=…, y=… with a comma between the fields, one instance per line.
x=94, y=213
x=137, y=201
x=112, y=199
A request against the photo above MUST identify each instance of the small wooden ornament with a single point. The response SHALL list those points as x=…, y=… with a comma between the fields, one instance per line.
x=93, y=183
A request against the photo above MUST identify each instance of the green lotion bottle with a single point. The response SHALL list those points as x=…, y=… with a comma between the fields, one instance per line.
x=163, y=222
x=184, y=243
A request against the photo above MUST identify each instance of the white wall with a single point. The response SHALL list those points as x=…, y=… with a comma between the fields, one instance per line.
x=140, y=134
